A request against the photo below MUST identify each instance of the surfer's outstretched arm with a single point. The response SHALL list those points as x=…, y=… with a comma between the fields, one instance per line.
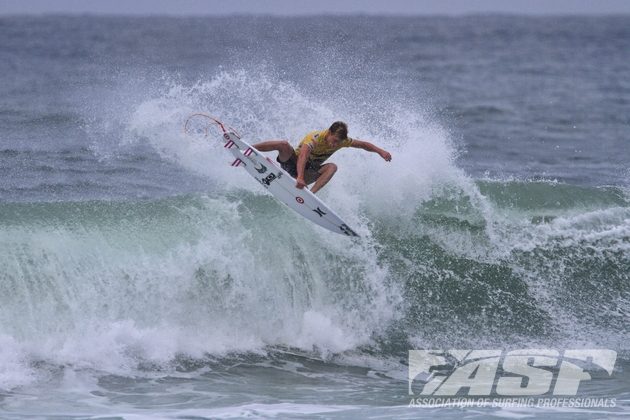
x=366, y=145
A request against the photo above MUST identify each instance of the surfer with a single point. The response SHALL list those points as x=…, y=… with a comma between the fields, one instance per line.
x=306, y=164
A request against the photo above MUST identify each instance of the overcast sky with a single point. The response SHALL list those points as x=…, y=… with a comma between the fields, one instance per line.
x=298, y=7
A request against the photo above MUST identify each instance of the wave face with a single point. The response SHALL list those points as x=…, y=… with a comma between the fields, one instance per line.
x=104, y=284
x=108, y=284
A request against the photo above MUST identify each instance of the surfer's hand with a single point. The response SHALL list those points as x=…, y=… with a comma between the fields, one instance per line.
x=385, y=155
x=300, y=183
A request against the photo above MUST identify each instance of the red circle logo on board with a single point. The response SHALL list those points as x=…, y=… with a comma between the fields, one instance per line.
x=299, y=200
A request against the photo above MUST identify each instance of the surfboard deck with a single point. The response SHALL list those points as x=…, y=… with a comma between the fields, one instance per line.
x=282, y=186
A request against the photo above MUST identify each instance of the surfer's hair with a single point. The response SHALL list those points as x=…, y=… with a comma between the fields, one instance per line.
x=340, y=129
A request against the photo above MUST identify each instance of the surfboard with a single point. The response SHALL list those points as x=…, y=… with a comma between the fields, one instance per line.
x=282, y=186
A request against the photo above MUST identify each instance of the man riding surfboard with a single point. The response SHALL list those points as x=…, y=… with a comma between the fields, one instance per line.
x=306, y=164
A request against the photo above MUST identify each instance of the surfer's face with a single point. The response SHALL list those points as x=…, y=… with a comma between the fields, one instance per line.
x=332, y=139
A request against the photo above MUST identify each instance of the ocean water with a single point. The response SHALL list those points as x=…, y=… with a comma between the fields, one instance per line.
x=143, y=277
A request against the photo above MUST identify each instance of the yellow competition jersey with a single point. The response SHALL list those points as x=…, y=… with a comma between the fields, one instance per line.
x=320, y=150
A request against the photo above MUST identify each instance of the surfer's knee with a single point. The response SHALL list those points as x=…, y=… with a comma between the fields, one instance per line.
x=331, y=168
x=285, y=147
x=285, y=151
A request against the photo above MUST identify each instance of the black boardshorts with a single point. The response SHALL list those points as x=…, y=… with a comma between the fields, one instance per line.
x=311, y=171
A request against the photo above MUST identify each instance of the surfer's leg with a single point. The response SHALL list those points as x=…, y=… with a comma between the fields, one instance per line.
x=326, y=173
x=284, y=149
